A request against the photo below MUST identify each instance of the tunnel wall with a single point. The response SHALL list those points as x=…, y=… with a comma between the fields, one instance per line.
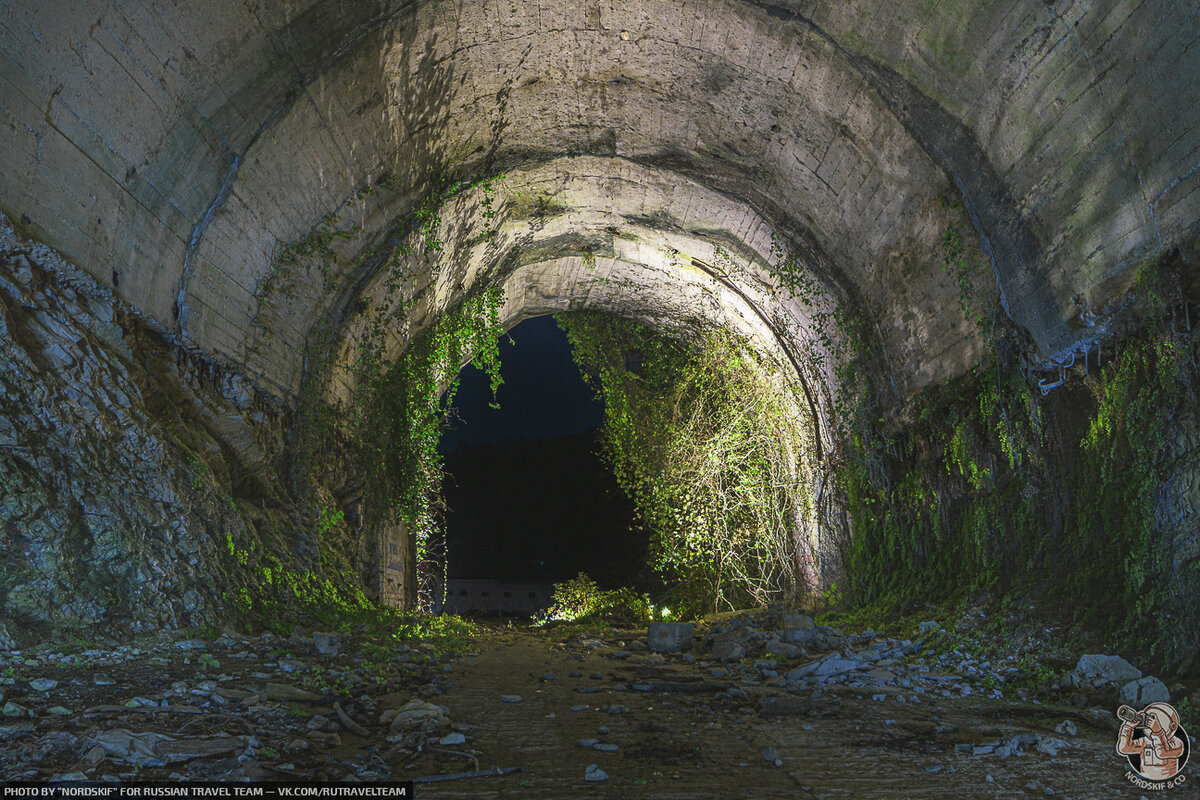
x=242, y=180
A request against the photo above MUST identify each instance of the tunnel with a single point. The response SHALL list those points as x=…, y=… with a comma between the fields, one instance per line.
x=961, y=240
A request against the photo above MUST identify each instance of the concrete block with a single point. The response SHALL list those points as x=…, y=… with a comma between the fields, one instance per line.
x=669, y=637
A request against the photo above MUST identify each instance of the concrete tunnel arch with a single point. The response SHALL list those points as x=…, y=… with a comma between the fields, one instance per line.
x=550, y=247
x=178, y=154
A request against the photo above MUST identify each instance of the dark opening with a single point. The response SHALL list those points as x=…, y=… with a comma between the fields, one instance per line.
x=528, y=498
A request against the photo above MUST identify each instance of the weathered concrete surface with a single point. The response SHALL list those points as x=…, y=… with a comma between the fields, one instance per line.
x=172, y=150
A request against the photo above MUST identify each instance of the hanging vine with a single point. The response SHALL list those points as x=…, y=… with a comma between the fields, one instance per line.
x=710, y=451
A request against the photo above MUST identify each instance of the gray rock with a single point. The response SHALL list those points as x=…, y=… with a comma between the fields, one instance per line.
x=287, y=692
x=511, y=698
x=798, y=629
x=782, y=649
x=134, y=748
x=727, y=650
x=772, y=755
x=588, y=743
x=42, y=684
x=13, y=710
x=594, y=773
x=929, y=626
x=881, y=676
x=417, y=713
x=328, y=644
x=835, y=665
x=453, y=738
x=69, y=776
x=174, y=752
x=1066, y=728
x=669, y=637
x=605, y=747
x=1050, y=747
x=1144, y=691
x=1102, y=670
x=547, y=676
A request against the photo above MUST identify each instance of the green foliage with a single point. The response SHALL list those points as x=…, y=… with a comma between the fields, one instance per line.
x=950, y=517
x=958, y=263
x=322, y=681
x=1189, y=708
x=394, y=415
x=971, y=497
x=330, y=519
x=1139, y=396
x=579, y=599
x=316, y=246
x=404, y=412
x=448, y=632
x=711, y=452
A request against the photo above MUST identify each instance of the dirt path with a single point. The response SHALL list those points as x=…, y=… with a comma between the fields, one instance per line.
x=706, y=744
x=857, y=716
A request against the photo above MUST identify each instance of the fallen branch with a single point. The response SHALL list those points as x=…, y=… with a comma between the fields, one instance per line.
x=348, y=723
x=454, y=753
x=480, y=774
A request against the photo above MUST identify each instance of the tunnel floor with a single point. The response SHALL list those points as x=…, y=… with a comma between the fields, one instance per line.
x=853, y=716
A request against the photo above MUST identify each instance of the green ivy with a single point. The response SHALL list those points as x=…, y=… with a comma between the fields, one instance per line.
x=706, y=447
x=404, y=410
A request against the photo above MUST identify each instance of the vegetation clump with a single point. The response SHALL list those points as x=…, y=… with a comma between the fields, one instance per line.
x=990, y=488
x=579, y=599
x=712, y=453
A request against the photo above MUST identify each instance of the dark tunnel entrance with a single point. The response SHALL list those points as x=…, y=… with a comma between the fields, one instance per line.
x=528, y=500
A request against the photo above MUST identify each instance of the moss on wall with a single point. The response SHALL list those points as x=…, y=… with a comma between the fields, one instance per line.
x=989, y=486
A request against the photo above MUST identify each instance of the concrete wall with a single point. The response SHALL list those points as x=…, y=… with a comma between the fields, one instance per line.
x=480, y=596
x=171, y=150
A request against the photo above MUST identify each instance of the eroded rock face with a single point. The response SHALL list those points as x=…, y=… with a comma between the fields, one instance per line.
x=120, y=461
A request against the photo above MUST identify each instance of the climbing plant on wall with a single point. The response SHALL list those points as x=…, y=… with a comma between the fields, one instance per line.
x=711, y=452
x=402, y=422
x=987, y=486
x=389, y=425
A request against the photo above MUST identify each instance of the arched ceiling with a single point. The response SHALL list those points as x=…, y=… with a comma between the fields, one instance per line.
x=174, y=149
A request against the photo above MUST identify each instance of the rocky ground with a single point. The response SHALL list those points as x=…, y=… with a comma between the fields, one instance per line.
x=762, y=705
